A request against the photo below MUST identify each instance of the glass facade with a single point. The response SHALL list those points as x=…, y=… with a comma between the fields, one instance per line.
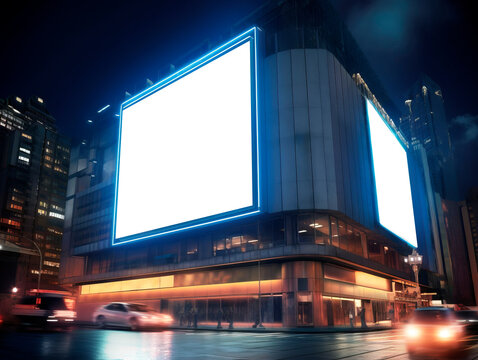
x=266, y=232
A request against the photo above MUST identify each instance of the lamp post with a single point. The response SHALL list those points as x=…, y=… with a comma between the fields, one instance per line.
x=260, y=305
x=41, y=263
x=415, y=260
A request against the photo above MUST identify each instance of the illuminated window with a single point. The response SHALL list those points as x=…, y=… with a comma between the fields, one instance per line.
x=18, y=99
x=25, y=150
x=43, y=204
x=51, y=263
x=56, y=207
x=24, y=159
x=41, y=212
x=10, y=222
x=14, y=198
x=52, y=255
x=56, y=215
x=48, y=158
x=48, y=151
x=40, y=100
x=60, y=170
x=16, y=207
x=55, y=231
x=26, y=136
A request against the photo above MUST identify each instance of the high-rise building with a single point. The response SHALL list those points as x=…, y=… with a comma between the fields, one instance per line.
x=425, y=126
x=426, y=123
x=315, y=250
x=34, y=160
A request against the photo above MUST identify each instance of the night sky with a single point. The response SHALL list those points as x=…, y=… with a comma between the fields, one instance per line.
x=80, y=56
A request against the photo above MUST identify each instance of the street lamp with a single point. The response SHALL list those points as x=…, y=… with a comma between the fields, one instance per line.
x=415, y=260
x=41, y=263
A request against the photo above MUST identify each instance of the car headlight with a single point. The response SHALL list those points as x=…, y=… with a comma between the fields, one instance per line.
x=412, y=331
x=447, y=333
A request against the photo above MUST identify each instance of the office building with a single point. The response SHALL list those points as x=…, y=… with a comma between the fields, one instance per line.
x=34, y=161
x=310, y=250
x=426, y=123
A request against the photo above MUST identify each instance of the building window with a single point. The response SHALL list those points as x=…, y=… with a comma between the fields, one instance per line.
x=56, y=207
x=306, y=228
x=16, y=207
x=322, y=229
x=51, y=263
x=24, y=159
x=334, y=231
x=302, y=284
x=374, y=252
x=56, y=215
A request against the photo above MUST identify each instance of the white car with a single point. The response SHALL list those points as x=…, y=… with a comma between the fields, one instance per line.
x=132, y=316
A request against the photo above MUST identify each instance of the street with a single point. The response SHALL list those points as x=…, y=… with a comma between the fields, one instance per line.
x=85, y=343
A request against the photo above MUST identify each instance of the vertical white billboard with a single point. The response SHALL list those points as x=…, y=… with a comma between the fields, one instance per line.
x=188, y=147
x=392, y=179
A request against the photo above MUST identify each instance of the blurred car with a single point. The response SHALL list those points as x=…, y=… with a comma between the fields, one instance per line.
x=44, y=309
x=469, y=319
x=132, y=316
x=434, y=330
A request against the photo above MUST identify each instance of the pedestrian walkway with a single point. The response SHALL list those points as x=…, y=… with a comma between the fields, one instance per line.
x=266, y=329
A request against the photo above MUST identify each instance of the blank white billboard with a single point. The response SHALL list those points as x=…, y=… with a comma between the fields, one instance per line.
x=188, y=150
x=392, y=179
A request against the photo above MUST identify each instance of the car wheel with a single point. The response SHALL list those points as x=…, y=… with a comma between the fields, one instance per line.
x=133, y=324
x=101, y=322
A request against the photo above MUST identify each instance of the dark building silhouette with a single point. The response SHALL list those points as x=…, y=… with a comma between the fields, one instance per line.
x=426, y=123
x=425, y=126
x=34, y=160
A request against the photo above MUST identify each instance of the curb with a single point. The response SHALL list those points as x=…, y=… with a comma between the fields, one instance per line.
x=311, y=330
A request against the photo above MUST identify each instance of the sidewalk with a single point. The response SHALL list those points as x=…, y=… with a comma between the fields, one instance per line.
x=300, y=330
x=271, y=329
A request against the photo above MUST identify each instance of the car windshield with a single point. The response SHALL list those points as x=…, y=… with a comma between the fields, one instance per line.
x=467, y=315
x=138, y=307
x=432, y=316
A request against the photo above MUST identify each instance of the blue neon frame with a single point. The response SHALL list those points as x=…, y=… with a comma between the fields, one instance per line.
x=377, y=212
x=251, y=36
